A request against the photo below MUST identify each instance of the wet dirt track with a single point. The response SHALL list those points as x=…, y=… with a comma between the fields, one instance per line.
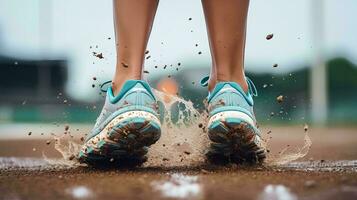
x=329, y=171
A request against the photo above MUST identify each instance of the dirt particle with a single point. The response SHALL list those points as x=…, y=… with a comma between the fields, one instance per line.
x=93, y=86
x=98, y=55
x=66, y=127
x=72, y=157
x=29, y=133
x=275, y=65
x=94, y=78
x=306, y=127
x=190, y=18
x=187, y=152
x=165, y=159
x=204, y=171
x=310, y=184
x=269, y=36
x=124, y=65
x=148, y=57
x=178, y=64
x=147, y=51
x=200, y=125
x=280, y=98
x=109, y=38
x=48, y=142
x=272, y=114
x=146, y=72
x=199, y=53
x=196, y=45
x=82, y=139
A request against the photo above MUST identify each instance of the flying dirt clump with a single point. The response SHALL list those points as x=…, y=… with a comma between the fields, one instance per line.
x=98, y=55
x=269, y=36
x=280, y=98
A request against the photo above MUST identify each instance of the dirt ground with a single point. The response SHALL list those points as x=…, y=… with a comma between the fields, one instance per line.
x=328, y=171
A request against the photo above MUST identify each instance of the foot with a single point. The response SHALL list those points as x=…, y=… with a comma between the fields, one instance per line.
x=232, y=125
x=127, y=126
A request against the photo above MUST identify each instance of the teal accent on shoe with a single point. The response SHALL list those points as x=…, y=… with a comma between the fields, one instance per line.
x=204, y=81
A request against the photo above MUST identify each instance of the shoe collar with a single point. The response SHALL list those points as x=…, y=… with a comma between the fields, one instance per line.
x=128, y=85
x=252, y=90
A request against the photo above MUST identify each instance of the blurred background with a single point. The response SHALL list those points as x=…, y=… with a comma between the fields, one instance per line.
x=49, y=74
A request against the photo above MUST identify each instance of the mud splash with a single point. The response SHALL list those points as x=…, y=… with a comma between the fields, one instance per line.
x=68, y=149
x=290, y=154
x=184, y=140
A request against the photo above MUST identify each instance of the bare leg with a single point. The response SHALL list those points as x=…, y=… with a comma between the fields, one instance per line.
x=133, y=20
x=226, y=24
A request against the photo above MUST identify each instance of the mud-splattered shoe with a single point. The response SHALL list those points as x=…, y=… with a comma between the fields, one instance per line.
x=127, y=126
x=232, y=125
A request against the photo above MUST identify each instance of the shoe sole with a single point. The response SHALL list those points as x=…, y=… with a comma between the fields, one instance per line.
x=234, y=139
x=124, y=140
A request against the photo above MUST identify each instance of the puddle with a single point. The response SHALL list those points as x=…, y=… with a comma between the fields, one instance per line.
x=178, y=186
x=80, y=192
x=277, y=192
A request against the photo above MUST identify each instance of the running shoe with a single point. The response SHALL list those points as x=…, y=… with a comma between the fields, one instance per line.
x=127, y=126
x=232, y=127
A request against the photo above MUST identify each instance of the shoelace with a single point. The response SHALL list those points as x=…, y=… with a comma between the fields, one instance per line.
x=103, y=84
x=251, y=87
